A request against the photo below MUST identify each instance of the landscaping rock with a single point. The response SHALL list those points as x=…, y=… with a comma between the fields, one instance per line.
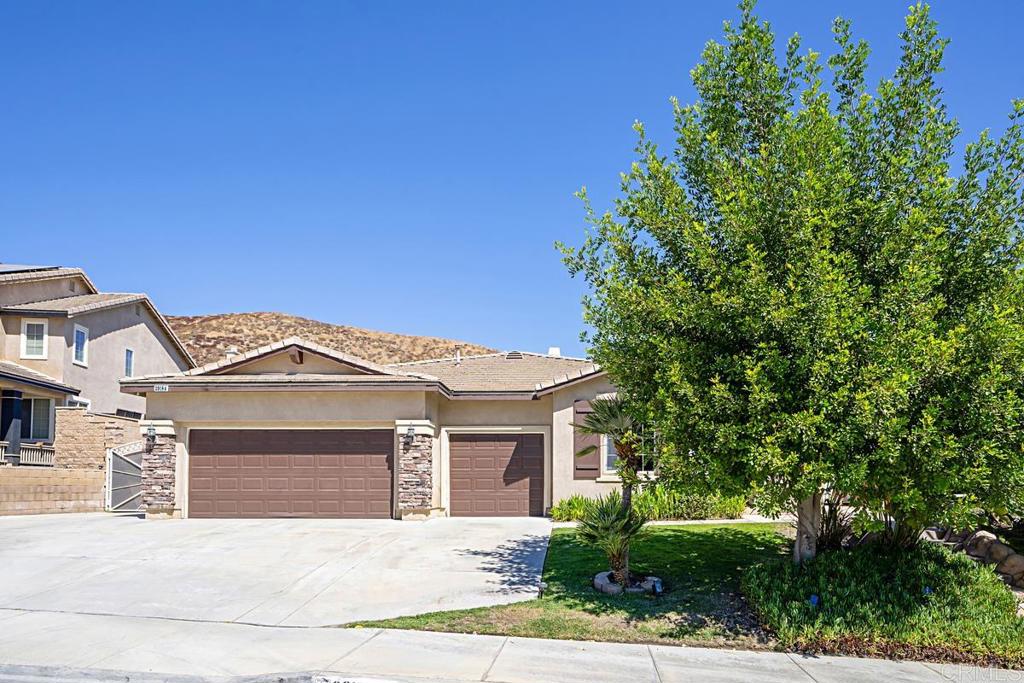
x=603, y=582
x=997, y=552
x=1013, y=565
x=979, y=542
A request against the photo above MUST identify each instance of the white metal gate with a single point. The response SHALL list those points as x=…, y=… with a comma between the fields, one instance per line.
x=124, y=477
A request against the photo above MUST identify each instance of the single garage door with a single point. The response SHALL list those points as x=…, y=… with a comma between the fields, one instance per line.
x=290, y=473
x=500, y=475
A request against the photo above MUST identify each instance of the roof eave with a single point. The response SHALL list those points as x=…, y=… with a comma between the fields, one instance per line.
x=149, y=387
x=550, y=389
x=42, y=384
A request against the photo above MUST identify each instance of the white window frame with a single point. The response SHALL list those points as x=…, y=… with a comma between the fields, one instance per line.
x=128, y=350
x=25, y=322
x=30, y=414
x=85, y=347
x=613, y=472
x=606, y=449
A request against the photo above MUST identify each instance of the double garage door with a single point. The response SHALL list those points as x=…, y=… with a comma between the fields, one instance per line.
x=349, y=473
x=290, y=473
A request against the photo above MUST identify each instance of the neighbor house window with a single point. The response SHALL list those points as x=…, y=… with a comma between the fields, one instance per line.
x=36, y=419
x=81, y=345
x=76, y=402
x=121, y=412
x=129, y=362
x=33, y=338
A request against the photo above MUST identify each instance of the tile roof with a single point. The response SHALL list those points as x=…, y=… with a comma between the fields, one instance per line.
x=514, y=371
x=279, y=378
x=22, y=374
x=46, y=274
x=298, y=342
x=524, y=374
x=73, y=305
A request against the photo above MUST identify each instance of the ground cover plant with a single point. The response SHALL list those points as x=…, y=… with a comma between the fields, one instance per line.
x=924, y=603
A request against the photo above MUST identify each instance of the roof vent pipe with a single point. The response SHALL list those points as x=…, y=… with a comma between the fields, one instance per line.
x=458, y=355
x=232, y=352
x=554, y=351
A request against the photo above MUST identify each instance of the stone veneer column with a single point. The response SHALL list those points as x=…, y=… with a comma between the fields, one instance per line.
x=159, y=469
x=415, y=465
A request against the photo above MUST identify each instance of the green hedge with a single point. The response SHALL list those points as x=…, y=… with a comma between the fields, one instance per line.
x=922, y=603
x=660, y=503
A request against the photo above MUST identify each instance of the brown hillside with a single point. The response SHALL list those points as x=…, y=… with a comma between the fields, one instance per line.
x=208, y=337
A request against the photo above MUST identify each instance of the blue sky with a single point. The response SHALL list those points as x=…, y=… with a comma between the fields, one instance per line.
x=402, y=166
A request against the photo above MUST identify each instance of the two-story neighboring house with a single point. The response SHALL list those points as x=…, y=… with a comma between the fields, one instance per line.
x=64, y=343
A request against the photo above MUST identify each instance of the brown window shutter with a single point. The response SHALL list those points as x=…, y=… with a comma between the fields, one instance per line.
x=584, y=466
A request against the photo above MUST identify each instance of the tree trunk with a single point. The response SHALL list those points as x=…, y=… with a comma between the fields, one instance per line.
x=625, y=569
x=808, y=523
x=627, y=498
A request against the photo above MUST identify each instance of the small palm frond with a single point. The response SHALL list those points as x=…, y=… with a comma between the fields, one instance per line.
x=608, y=417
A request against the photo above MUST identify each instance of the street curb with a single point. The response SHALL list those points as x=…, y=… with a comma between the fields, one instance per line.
x=12, y=673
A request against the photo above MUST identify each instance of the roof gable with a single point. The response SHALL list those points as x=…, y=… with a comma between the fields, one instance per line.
x=296, y=356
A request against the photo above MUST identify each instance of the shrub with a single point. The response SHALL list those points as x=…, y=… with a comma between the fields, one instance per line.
x=876, y=600
x=607, y=526
x=657, y=502
x=570, y=509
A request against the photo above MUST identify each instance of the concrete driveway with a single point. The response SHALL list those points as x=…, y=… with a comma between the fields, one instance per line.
x=293, y=572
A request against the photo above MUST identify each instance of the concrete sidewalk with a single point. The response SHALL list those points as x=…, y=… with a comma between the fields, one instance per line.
x=81, y=647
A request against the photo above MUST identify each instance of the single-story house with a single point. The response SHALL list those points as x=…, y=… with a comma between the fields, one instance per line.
x=295, y=429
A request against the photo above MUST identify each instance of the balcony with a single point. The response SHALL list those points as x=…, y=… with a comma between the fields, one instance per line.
x=39, y=454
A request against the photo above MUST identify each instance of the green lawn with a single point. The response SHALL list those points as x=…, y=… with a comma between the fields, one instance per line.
x=700, y=566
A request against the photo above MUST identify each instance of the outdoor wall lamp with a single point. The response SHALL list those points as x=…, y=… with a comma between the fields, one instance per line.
x=150, y=437
x=409, y=436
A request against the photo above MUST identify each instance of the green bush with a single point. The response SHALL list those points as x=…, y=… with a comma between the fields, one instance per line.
x=872, y=600
x=657, y=502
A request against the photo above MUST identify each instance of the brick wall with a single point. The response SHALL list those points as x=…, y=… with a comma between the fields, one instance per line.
x=40, y=490
x=81, y=438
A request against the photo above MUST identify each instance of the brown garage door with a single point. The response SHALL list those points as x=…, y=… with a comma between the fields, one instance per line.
x=499, y=475
x=290, y=473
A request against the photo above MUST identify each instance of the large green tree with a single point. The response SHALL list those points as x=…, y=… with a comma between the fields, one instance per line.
x=803, y=295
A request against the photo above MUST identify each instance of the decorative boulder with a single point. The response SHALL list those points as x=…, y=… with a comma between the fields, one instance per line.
x=997, y=552
x=979, y=543
x=1012, y=565
x=603, y=582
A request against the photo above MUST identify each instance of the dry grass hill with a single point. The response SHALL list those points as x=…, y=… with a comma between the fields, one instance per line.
x=208, y=337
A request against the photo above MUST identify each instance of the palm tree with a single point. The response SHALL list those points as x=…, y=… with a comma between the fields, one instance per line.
x=609, y=524
x=610, y=418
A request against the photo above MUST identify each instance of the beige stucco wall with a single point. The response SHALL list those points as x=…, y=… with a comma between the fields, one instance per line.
x=56, y=347
x=282, y=363
x=562, y=435
x=111, y=331
x=282, y=408
x=40, y=290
